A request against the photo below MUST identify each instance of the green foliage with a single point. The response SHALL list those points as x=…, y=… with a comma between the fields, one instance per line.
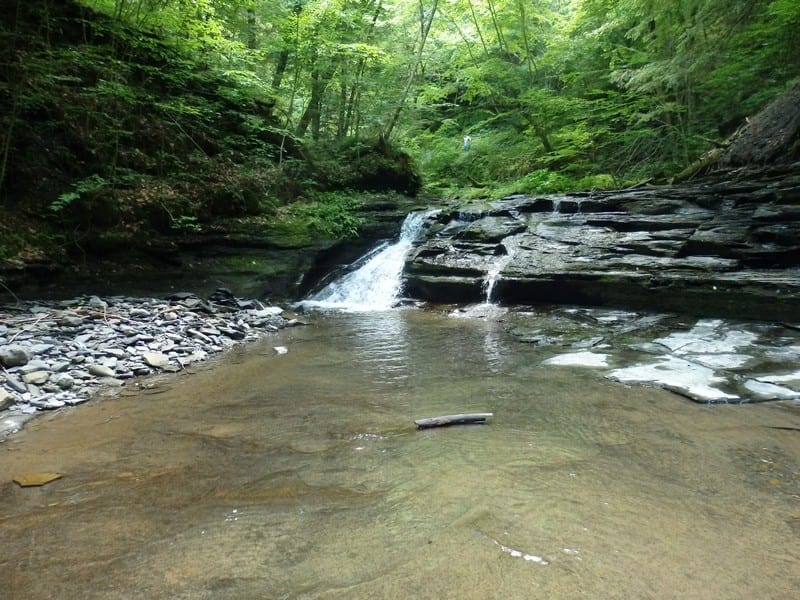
x=80, y=189
x=223, y=109
x=185, y=223
x=330, y=215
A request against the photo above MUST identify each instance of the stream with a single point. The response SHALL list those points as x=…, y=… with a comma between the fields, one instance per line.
x=299, y=473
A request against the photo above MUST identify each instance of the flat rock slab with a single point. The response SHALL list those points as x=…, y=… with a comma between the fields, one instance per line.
x=729, y=249
x=155, y=359
x=36, y=479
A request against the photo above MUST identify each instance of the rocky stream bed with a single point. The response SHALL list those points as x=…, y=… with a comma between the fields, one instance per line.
x=61, y=353
x=693, y=288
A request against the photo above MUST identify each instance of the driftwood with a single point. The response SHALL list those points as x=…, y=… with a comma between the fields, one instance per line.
x=461, y=419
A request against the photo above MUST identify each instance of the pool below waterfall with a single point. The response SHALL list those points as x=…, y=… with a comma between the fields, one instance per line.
x=302, y=475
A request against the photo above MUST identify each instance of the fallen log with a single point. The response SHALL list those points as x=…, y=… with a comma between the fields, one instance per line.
x=460, y=419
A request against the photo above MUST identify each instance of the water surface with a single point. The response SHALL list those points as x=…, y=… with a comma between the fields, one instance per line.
x=301, y=475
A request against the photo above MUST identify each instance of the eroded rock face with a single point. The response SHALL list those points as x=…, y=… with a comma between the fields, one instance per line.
x=727, y=248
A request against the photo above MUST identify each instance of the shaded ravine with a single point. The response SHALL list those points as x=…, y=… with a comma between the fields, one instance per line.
x=300, y=473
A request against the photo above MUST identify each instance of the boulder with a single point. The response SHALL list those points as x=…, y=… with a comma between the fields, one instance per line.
x=14, y=355
x=769, y=136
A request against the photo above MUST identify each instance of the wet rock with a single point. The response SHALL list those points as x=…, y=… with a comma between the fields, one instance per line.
x=704, y=360
x=6, y=399
x=62, y=380
x=15, y=384
x=155, y=359
x=36, y=377
x=707, y=250
x=100, y=370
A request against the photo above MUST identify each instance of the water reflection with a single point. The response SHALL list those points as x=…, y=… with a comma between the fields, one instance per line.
x=488, y=318
x=380, y=345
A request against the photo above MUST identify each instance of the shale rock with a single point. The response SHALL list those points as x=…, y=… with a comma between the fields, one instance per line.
x=65, y=352
x=722, y=248
x=13, y=356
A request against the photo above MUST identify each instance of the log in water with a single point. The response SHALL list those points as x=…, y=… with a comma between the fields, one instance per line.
x=460, y=419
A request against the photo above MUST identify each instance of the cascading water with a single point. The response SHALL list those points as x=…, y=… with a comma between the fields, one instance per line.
x=376, y=284
x=511, y=244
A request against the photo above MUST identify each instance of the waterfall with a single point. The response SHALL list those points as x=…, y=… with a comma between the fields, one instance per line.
x=375, y=285
x=511, y=244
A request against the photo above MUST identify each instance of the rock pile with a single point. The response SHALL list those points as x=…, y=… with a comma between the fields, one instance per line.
x=55, y=354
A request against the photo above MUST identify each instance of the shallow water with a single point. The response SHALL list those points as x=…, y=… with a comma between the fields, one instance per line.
x=301, y=475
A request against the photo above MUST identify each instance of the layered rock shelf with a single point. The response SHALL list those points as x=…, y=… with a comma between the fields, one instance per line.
x=725, y=248
x=56, y=354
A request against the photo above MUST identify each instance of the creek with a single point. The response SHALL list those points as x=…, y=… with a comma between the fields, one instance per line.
x=300, y=474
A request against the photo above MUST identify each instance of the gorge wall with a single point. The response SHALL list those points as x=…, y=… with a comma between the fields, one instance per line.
x=725, y=247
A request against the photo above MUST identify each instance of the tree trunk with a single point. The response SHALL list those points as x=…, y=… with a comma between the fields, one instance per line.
x=425, y=27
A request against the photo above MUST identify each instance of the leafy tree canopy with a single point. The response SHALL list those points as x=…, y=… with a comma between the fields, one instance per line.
x=554, y=93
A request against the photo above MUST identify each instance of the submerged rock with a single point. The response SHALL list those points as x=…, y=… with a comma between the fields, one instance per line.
x=704, y=360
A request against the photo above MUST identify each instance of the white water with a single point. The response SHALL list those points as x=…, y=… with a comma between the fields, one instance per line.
x=511, y=244
x=376, y=285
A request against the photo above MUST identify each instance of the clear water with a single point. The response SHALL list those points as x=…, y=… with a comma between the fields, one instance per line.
x=301, y=475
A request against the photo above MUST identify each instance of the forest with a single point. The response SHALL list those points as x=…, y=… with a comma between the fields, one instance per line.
x=132, y=116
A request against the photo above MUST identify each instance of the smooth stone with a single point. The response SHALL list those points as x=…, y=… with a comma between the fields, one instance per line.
x=70, y=321
x=100, y=370
x=198, y=335
x=79, y=374
x=14, y=355
x=177, y=296
x=155, y=359
x=41, y=348
x=62, y=380
x=6, y=399
x=16, y=385
x=47, y=403
x=36, y=377
x=34, y=365
x=96, y=302
x=73, y=400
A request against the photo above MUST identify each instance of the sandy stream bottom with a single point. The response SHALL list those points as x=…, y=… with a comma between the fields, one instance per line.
x=301, y=475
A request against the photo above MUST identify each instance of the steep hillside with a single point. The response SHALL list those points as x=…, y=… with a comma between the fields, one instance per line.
x=116, y=145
